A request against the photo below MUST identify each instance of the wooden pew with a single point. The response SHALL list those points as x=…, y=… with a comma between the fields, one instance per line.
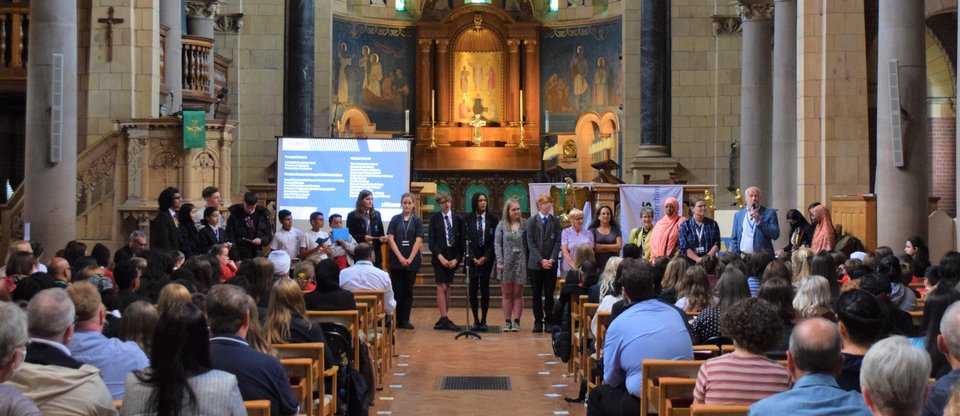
x=257, y=407
x=371, y=333
x=719, y=410
x=676, y=396
x=314, y=351
x=388, y=333
x=349, y=320
x=587, y=310
x=653, y=370
x=576, y=340
x=302, y=369
x=603, y=322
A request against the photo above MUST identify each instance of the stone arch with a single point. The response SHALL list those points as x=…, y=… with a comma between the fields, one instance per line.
x=588, y=132
x=355, y=122
x=935, y=7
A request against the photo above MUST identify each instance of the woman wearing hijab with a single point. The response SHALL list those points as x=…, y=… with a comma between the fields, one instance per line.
x=824, y=237
x=665, y=240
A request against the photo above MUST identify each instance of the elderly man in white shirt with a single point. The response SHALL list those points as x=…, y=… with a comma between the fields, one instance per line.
x=363, y=275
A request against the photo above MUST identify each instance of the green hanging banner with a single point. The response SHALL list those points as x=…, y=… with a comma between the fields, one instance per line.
x=194, y=129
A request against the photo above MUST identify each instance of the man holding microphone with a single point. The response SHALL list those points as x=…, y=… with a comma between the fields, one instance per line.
x=755, y=226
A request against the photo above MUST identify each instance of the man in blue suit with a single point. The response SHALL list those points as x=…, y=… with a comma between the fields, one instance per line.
x=755, y=226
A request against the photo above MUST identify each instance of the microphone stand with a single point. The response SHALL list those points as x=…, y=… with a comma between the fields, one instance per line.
x=467, y=258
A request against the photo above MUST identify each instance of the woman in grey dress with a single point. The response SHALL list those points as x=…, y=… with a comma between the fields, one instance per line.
x=511, y=258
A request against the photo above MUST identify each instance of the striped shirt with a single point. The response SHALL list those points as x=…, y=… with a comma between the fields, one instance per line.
x=739, y=380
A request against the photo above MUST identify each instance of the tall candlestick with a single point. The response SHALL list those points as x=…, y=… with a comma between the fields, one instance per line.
x=521, y=106
x=406, y=121
x=433, y=105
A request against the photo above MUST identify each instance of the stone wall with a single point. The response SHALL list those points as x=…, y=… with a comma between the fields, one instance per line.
x=942, y=133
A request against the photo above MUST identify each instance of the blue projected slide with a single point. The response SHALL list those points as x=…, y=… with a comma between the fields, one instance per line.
x=326, y=175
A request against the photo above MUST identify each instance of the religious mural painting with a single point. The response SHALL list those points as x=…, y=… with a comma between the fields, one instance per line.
x=478, y=86
x=372, y=71
x=580, y=71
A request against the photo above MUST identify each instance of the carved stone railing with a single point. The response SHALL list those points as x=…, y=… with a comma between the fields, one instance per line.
x=97, y=173
x=153, y=158
x=11, y=220
x=163, y=60
x=196, y=69
x=14, y=28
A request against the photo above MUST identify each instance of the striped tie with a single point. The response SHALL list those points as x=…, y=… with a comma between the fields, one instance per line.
x=449, y=231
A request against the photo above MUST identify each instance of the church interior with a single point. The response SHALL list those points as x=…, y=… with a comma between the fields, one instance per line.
x=795, y=97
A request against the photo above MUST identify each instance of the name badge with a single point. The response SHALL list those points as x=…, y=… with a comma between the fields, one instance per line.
x=516, y=249
x=700, y=250
x=405, y=243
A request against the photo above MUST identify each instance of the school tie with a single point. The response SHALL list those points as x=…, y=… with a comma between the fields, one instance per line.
x=480, y=230
x=449, y=231
x=216, y=234
x=544, y=224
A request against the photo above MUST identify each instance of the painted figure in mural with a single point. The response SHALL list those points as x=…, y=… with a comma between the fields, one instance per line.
x=578, y=72
x=491, y=79
x=343, y=86
x=400, y=88
x=364, y=64
x=477, y=77
x=375, y=75
x=600, y=84
x=465, y=79
x=386, y=88
x=464, y=109
x=558, y=95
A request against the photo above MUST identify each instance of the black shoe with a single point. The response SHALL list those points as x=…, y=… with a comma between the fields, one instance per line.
x=449, y=325
x=405, y=325
x=483, y=327
x=441, y=323
x=538, y=327
x=475, y=326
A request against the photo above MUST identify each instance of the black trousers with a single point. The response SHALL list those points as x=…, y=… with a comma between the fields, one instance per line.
x=544, y=283
x=612, y=401
x=402, y=282
x=480, y=279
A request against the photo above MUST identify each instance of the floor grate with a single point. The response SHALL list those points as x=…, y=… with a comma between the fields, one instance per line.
x=474, y=383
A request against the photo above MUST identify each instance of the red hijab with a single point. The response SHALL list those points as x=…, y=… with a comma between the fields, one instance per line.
x=825, y=236
x=665, y=238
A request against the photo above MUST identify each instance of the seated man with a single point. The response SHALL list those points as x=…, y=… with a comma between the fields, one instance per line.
x=364, y=276
x=948, y=342
x=57, y=382
x=114, y=358
x=260, y=376
x=894, y=377
x=647, y=329
x=136, y=243
x=813, y=360
x=13, y=350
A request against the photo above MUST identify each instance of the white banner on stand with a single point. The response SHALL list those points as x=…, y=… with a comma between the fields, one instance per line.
x=634, y=197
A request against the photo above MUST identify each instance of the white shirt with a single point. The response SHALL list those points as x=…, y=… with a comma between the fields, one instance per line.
x=309, y=242
x=749, y=228
x=288, y=241
x=363, y=276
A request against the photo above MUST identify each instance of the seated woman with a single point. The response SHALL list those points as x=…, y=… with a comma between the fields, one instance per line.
x=731, y=288
x=745, y=375
x=328, y=296
x=813, y=298
x=694, y=290
x=287, y=321
x=179, y=379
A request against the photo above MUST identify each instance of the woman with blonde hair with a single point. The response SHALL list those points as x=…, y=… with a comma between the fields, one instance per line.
x=171, y=295
x=571, y=238
x=608, y=276
x=800, y=259
x=694, y=290
x=304, y=274
x=255, y=335
x=287, y=321
x=672, y=277
x=511, y=263
x=137, y=324
x=813, y=298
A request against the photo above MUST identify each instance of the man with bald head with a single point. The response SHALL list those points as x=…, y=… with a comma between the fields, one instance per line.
x=59, y=269
x=814, y=361
x=755, y=226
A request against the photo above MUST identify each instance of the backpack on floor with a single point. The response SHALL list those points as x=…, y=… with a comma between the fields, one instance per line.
x=561, y=343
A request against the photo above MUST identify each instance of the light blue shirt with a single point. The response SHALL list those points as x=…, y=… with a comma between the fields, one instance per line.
x=113, y=357
x=648, y=330
x=812, y=395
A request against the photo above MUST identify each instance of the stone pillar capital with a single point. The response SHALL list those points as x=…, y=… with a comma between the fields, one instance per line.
x=205, y=9
x=425, y=44
x=230, y=23
x=513, y=45
x=726, y=25
x=442, y=45
x=754, y=9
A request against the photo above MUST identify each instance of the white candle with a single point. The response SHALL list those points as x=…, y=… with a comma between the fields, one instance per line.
x=546, y=124
x=433, y=105
x=406, y=121
x=521, y=106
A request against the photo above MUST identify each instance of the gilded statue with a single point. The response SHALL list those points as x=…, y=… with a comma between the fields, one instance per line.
x=739, y=197
x=568, y=197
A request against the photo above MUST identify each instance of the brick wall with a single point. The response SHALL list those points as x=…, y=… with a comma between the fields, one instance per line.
x=942, y=135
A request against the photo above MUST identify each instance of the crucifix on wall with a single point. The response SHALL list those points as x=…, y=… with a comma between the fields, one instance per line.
x=110, y=21
x=477, y=123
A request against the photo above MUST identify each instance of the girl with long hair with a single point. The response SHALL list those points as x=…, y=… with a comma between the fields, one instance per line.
x=365, y=224
x=509, y=245
x=190, y=243
x=287, y=321
x=405, y=237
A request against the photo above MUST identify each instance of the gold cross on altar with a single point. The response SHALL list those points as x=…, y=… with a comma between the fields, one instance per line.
x=110, y=21
x=477, y=123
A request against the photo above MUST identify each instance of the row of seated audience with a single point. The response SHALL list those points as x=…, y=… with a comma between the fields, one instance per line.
x=165, y=335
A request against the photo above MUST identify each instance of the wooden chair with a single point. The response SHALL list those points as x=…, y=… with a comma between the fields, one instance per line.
x=372, y=333
x=257, y=407
x=587, y=310
x=387, y=333
x=300, y=372
x=603, y=322
x=676, y=396
x=314, y=351
x=653, y=370
x=705, y=351
x=576, y=339
x=349, y=320
x=917, y=317
x=718, y=410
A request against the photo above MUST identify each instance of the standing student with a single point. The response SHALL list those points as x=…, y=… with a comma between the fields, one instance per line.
x=366, y=225
x=511, y=258
x=187, y=228
x=212, y=232
x=287, y=238
x=446, y=244
x=543, y=247
x=480, y=228
x=405, y=237
x=316, y=244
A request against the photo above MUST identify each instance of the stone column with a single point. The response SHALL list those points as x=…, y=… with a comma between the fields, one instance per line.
x=298, y=69
x=444, y=98
x=424, y=80
x=531, y=81
x=902, y=191
x=170, y=16
x=513, y=65
x=784, y=156
x=755, y=93
x=654, y=79
x=956, y=159
x=53, y=41
x=202, y=21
